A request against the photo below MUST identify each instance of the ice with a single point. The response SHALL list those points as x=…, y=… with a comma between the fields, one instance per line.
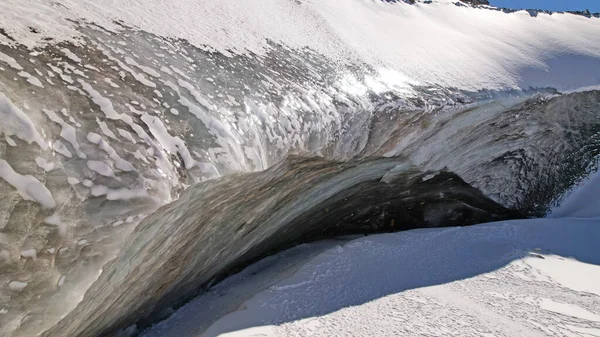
x=4, y=255
x=120, y=163
x=67, y=132
x=42, y=163
x=71, y=55
x=499, y=278
x=269, y=81
x=10, y=61
x=105, y=130
x=104, y=103
x=29, y=254
x=101, y=168
x=28, y=187
x=139, y=77
x=31, y=79
x=17, y=286
x=10, y=141
x=15, y=122
x=125, y=194
x=127, y=135
x=170, y=143
x=145, y=69
x=59, y=147
x=112, y=84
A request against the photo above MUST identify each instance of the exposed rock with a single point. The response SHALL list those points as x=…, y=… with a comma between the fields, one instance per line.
x=476, y=2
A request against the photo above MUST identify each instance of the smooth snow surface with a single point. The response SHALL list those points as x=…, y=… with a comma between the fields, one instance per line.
x=437, y=42
x=583, y=202
x=517, y=278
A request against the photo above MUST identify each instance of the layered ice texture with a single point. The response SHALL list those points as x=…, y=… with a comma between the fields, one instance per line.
x=110, y=110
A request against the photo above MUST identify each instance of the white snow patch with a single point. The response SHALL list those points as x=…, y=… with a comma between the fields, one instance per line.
x=28, y=187
x=127, y=135
x=59, y=147
x=120, y=163
x=29, y=254
x=15, y=122
x=17, y=286
x=67, y=132
x=100, y=167
x=43, y=164
x=68, y=53
x=55, y=220
x=72, y=180
x=10, y=61
x=31, y=79
x=568, y=309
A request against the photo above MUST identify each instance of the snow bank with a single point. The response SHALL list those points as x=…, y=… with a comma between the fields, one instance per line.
x=439, y=42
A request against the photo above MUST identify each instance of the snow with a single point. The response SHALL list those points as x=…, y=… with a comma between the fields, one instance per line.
x=15, y=122
x=17, y=286
x=127, y=135
x=71, y=55
x=104, y=103
x=72, y=180
x=100, y=167
x=29, y=254
x=55, y=220
x=67, y=132
x=10, y=61
x=583, y=202
x=28, y=187
x=31, y=79
x=568, y=310
x=43, y=164
x=535, y=277
x=455, y=46
x=120, y=163
x=59, y=147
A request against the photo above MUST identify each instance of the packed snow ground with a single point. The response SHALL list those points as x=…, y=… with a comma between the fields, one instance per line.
x=439, y=43
x=517, y=278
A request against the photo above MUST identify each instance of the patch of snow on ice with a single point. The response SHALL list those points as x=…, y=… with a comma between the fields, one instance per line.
x=28, y=187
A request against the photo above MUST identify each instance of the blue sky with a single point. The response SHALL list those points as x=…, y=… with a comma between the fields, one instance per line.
x=554, y=5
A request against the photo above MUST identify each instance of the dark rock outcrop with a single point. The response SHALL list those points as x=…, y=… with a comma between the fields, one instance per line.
x=476, y=2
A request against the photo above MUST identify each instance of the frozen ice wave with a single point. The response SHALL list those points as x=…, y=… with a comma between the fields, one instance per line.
x=510, y=278
x=177, y=112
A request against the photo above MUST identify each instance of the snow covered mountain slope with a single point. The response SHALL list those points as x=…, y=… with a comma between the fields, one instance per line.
x=441, y=41
x=517, y=278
